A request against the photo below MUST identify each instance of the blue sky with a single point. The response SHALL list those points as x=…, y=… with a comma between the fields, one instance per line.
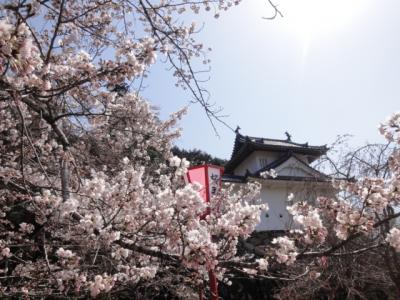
x=327, y=67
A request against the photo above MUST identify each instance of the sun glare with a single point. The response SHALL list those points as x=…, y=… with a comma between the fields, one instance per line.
x=309, y=18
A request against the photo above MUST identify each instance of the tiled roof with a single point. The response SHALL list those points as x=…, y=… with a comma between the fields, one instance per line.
x=233, y=178
x=245, y=145
x=318, y=177
x=244, y=179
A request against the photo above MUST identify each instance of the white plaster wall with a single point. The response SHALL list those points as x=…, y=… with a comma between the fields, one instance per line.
x=252, y=162
x=275, y=195
x=278, y=217
x=292, y=167
x=275, y=192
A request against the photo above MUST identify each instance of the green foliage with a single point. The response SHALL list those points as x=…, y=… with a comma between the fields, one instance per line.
x=198, y=157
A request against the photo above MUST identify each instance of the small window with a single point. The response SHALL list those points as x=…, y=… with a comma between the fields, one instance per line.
x=280, y=216
x=263, y=162
x=267, y=215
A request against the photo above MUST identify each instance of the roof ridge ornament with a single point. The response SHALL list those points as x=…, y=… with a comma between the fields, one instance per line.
x=288, y=136
x=237, y=129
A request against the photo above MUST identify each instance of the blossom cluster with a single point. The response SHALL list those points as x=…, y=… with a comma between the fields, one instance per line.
x=92, y=189
x=310, y=220
x=269, y=173
x=286, y=252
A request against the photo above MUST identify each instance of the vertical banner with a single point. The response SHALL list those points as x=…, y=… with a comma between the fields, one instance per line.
x=198, y=175
x=209, y=177
x=214, y=180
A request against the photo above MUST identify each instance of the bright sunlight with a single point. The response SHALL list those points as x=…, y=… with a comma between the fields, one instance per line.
x=310, y=18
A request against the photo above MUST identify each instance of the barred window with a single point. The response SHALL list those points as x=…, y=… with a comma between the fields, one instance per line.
x=263, y=162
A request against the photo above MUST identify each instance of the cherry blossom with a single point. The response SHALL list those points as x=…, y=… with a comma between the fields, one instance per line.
x=92, y=201
x=269, y=173
x=286, y=252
